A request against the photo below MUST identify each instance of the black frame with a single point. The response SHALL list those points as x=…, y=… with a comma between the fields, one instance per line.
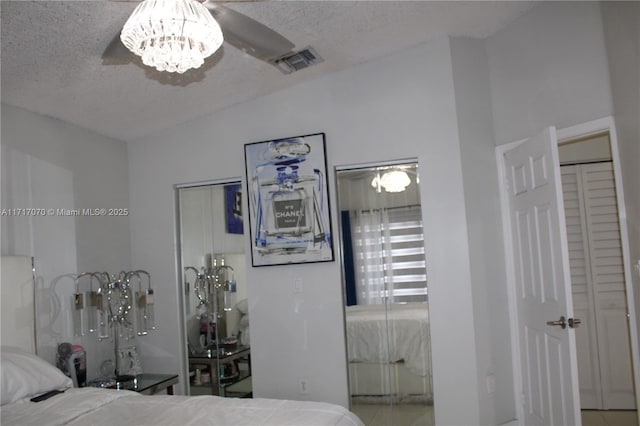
x=288, y=200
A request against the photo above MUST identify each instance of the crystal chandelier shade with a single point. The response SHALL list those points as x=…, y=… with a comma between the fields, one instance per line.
x=172, y=35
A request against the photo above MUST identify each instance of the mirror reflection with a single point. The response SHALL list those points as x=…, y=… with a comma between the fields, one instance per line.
x=214, y=288
x=386, y=297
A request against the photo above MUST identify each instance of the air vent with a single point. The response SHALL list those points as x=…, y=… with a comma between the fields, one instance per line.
x=298, y=60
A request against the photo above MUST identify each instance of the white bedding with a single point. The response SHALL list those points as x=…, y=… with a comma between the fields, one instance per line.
x=104, y=407
x=407, y=339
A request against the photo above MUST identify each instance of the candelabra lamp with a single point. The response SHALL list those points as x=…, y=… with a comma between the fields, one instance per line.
x=112, y=308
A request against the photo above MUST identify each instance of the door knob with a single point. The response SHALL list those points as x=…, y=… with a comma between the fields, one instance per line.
x=562, y=322
x=574, y=322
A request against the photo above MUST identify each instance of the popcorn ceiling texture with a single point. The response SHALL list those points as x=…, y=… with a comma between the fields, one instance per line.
x=51, y=56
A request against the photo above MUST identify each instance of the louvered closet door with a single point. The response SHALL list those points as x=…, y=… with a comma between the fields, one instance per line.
x=604, y=352
x=582, y=289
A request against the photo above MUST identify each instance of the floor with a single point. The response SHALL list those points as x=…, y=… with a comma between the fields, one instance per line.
x=396, y=415
x=422, y=415
x=609, y=418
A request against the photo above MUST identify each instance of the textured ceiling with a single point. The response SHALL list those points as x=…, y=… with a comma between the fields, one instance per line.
x=51, y=56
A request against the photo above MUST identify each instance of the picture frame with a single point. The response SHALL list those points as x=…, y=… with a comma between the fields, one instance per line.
x=233, y=208
x=289, y=212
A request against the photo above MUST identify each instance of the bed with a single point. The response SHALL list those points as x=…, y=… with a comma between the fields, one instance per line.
x=396, y=363
x=95, y=407
x=35, y=392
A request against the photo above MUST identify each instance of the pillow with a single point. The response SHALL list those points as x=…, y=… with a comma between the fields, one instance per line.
x=243, y=306
x=25, y=375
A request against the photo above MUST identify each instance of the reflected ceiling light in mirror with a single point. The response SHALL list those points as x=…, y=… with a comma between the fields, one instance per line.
x=393, y=181
x=172, y=35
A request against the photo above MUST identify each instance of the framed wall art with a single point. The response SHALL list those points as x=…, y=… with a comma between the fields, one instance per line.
x=233, y=208
x=289, y=213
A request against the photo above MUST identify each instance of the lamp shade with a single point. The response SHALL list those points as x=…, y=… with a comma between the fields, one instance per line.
x=172, y=35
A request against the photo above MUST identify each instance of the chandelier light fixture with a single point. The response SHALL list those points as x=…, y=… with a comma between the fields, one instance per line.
x=393, y=181
x=172, y=35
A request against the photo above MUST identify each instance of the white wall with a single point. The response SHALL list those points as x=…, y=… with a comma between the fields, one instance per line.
x=597, y=148
x=49, y=164
x=397, y=107
x=549, y=68
x=622, y=35
x=622, y=32
x=489, y=288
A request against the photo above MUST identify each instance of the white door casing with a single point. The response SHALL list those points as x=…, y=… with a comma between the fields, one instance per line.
x=607, y=125
x=535, y=238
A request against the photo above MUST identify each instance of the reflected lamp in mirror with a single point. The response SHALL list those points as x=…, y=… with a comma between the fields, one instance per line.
x=393, y=181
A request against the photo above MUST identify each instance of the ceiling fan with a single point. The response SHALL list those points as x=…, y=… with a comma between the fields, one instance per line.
x=239, y=30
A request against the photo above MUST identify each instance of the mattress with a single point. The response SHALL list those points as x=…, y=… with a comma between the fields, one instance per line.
x=105, y=407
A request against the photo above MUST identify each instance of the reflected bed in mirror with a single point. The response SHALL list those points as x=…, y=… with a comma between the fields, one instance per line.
x=214, y=288
x=385, y=288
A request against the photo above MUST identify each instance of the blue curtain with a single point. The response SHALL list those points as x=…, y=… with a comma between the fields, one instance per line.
x=349, y=269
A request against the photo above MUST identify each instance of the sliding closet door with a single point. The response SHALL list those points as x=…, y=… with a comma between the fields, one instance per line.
x=386, y=294
x=595, y=253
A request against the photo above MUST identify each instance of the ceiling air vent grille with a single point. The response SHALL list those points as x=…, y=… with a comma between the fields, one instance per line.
x=298, y=60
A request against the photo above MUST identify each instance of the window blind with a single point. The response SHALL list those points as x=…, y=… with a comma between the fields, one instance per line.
x=389, y=246
x=404, y=241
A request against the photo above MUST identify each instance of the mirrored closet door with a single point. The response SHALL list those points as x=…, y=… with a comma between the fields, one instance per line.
x=386, y=293
x=214, y=289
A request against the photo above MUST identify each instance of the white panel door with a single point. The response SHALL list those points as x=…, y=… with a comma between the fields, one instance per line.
x=548, y=362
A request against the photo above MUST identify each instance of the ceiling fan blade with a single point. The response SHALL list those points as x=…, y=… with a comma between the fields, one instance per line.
x=116, y=53
x=249, y=35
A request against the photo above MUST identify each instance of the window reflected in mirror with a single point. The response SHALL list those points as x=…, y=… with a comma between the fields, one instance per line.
x=386, y=293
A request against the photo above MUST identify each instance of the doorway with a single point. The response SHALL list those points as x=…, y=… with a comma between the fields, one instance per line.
x=532, y=355
x=605, y=372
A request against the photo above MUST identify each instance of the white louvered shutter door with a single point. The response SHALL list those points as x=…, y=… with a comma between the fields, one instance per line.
x=597, y=275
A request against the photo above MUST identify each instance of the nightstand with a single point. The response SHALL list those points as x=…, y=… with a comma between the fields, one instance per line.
x=145, y=383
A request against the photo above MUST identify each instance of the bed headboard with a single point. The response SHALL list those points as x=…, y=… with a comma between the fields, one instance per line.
x=17, y=303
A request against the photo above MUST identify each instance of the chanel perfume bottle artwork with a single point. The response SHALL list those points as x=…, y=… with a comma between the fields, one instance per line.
x=289, y=210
